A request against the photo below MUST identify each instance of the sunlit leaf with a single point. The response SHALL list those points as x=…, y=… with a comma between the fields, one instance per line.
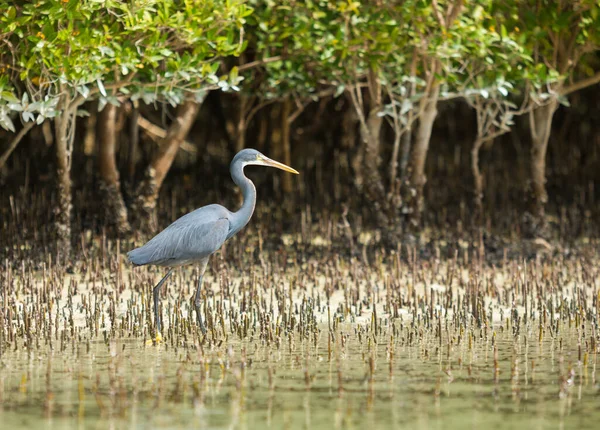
x=101, y=87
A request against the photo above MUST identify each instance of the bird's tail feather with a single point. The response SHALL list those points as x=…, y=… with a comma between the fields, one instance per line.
x=138, y=256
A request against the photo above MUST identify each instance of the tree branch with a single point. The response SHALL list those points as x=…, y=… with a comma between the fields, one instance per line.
x=13, y=144
x=453, y=13
x=256, y=108
x=301, y=105
x=570, y=46
x=257, y=63
x=584, y=83
x=436, y=12
x=157, y=132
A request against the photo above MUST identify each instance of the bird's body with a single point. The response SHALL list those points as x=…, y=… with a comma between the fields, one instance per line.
x=194, y=237
x=190, y=239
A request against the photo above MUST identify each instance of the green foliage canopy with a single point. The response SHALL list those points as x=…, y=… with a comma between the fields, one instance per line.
x=146, y=49
x=167, y=49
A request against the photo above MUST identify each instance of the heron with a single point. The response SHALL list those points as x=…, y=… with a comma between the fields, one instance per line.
x=194, y=237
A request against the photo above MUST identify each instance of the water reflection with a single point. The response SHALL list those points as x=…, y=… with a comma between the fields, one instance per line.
x=127, y=384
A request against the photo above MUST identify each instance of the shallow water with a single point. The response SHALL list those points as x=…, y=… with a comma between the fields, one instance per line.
x=333, y=344
x=249, y=384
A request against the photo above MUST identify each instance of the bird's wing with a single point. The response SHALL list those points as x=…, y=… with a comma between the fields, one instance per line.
x=183, y=242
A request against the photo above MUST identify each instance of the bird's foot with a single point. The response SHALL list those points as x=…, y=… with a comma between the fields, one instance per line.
x=156, y=340
x=199, y=319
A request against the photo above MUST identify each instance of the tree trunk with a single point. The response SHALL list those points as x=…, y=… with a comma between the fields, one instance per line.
x=349, y=147
x=275, y=142
x=263, y=131
x=134, y=140
x=240, y=132
x=348, y=131
x=89, y=140
x=357, y=166
x=407, y=136
x=47, y=132
x=394, y=197
x=372, y=139
x=286, y=180
x=405, y=153
x=541, y=125
x=394, y=159
x=366, y=162
x=477, y=177
x=374, y=189
x=65, y=125
x=420, y=148
x=147, y=191
x=275, y=131
x=115, y=212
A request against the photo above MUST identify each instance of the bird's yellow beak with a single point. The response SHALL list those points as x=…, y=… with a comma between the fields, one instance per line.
x=276, y=164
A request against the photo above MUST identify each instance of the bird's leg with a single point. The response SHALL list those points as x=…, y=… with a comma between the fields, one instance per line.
x=155, y=293
x=198, y=296
x=197, y=300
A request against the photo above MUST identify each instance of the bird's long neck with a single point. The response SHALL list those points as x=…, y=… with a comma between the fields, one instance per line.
x=243, y=215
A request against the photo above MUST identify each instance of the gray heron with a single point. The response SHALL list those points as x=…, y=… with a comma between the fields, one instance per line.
x=194, y=237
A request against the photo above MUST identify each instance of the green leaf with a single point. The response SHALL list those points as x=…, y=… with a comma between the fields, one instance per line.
x=28, y=116
x=233, y=74
x=8, y=96
x=84, y=91
x=6, y=122
x=563, y=100
x=102, y=101
x=101, y=88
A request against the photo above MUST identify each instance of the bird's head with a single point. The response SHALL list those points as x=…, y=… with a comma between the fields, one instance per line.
x=255, y=158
